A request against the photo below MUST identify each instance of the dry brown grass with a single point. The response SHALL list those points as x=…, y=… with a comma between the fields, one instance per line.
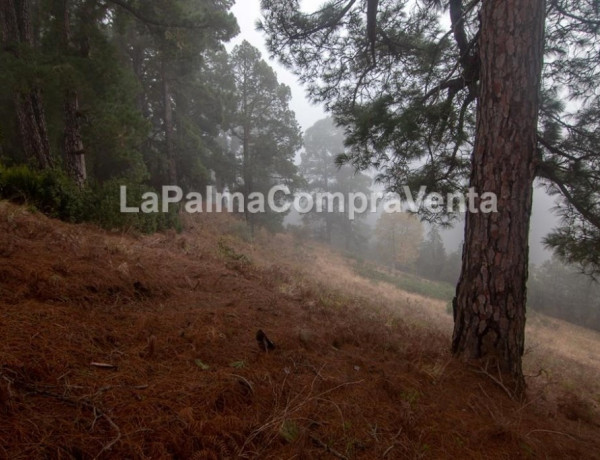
x=361, y=370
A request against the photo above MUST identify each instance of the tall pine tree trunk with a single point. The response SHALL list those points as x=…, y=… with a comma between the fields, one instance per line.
x=31, y=120
x=489, y=307
x=168, y=125
x=15, y=20
x=72, y=143
x=246, y=159
x=73, y=148
x=247, y=174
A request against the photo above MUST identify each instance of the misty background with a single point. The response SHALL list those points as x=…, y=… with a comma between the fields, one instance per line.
x=247, y=13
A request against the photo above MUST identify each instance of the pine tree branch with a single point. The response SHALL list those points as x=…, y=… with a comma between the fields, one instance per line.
x=458, y=26
x=372, y=6
x=326, y=25
x=456, y=84
x=551, y=148
x=468, y=9
x=547, y=172
x=555, y=150
x=156, y=22
x=469, y=60
x=359, y=83
x=564, y=12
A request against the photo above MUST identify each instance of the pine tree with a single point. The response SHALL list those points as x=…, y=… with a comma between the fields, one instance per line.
x=432, y=256
x=96, y=125
x=72, y=146
x=170, y=45
x=265, y=129
x=490, y=302
x=323, y=143
x=428, y=105
x=87, y=105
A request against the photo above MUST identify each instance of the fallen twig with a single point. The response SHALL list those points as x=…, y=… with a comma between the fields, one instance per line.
x=389, y=449
x=98, y=413
x=112, y=387
x=327, y=448
x=108, y=446
x=496, y=380
x=103, y=366
x=551, y=432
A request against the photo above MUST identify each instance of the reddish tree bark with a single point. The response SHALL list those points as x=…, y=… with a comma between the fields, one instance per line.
x=73, y=148
x=15, y=21
x=489, y=307
x=72, y=143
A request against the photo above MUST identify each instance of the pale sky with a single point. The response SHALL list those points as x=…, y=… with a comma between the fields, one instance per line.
x=247, y=13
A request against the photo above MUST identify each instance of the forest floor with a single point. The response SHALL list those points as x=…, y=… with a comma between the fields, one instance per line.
x=115, y=345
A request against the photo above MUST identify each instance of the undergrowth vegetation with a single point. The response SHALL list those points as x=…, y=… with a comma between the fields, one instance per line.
x=54, y=194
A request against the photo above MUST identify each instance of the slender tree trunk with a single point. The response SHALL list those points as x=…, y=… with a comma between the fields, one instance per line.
x=15, y=19
x=73, y=149
x=328, y=215
x=247, y=173
x=489, y=307
x=246, y=159
x=169, y=127
x=72, y=144
x=136, y=55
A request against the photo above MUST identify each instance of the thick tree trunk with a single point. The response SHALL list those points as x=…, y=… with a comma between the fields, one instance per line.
x=31, y=120
x=15, y=20
x=489, y=307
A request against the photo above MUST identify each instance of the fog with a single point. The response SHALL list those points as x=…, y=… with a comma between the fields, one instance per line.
x=191, y=265
x=542, y=221
x=247, y=13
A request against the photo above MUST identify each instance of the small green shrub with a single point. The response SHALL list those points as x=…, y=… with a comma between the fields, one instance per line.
x=54, y=194
x=49, y=191
x=289, y=430
x=229, y=253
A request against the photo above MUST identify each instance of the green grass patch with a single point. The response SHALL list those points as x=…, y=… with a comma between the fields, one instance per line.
x=407, y=282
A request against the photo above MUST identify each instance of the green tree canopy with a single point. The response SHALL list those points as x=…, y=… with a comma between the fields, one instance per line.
x=265, y=135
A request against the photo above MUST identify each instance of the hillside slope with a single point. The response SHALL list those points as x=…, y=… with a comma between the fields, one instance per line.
x=122, y=346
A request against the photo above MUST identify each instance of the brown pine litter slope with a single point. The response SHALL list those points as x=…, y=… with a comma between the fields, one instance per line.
x=359, y=370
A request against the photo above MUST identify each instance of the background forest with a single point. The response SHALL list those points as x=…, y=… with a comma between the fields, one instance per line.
x=96, y=95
